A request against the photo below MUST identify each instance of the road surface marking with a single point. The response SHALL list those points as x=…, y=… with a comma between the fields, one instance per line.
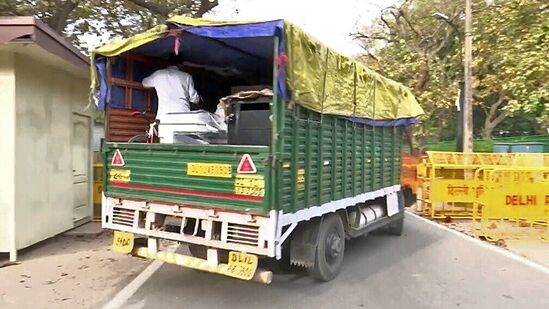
x=484, y=244
x=122, y=297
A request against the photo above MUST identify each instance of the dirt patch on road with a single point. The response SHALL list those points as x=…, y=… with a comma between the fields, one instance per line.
x=67, y=272
x=536, y=251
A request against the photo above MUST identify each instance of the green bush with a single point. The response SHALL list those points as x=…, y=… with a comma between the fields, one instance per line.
x=488, y=145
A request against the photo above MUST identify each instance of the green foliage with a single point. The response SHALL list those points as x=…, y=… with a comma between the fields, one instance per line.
x=412, y=44
x=85, y=21
x=482, y=145
x=511, y=54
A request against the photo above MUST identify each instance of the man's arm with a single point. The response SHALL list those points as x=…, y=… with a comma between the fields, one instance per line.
x=193, y=95
x=148, y=82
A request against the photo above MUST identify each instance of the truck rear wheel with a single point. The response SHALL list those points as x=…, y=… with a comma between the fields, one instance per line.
x=330, y=249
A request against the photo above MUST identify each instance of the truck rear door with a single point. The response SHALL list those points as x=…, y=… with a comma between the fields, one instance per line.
x=213, y=176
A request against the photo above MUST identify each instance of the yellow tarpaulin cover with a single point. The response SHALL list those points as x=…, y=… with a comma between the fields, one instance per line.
x=318, y=78
x=327, y=82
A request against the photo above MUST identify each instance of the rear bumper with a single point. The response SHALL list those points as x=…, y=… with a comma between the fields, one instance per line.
x=201, y=226
x=261, y=276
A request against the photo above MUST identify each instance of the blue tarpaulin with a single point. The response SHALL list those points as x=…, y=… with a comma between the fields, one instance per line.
x=310, y=69
x=242, y=47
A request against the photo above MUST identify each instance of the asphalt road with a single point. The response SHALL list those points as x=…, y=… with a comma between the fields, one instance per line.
x=426, y=267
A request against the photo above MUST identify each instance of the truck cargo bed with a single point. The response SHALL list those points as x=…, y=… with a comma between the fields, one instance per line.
x=319, y=159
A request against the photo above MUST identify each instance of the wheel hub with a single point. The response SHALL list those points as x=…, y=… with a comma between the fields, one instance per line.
x=333, y=246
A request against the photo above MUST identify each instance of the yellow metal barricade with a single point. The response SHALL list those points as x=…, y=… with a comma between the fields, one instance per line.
x=449, y=183
x=514, y=205
x=97, y=188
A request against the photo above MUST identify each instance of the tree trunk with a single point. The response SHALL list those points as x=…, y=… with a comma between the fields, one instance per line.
x=205, y=6
x=424, y=79
x=153, y=7
x=487, y=131
x=164, y=11
x=411, y=139
x=58, y=21
x=493, y=119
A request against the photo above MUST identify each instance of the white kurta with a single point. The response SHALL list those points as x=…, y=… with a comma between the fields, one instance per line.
x=175, y=90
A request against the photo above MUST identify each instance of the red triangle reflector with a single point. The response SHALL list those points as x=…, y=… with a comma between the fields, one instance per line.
x=117, y=159
x=246, y=165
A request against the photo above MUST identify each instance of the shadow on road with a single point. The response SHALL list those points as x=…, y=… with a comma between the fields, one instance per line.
x=365, y=257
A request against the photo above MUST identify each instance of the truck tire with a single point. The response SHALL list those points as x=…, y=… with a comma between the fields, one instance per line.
x=396, y=227
x=330, y=249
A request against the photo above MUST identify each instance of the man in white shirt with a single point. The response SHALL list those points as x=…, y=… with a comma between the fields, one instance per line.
x=175, y=90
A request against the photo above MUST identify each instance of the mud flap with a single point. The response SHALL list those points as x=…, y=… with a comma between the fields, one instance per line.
x=304, y=242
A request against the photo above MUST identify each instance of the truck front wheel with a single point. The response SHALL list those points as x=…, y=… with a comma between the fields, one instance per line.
x=330, y=249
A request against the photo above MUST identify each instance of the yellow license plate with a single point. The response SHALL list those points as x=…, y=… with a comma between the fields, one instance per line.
x=122, y=242
x=210, y=170
x=242, y=265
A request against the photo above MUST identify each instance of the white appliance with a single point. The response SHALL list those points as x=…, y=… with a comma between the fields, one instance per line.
x=194, y=127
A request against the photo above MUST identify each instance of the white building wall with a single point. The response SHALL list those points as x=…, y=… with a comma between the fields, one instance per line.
x=7, y=152
x=46, y=98
x=98, y=134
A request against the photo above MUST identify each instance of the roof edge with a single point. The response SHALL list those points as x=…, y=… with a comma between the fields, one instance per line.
x=14, y=21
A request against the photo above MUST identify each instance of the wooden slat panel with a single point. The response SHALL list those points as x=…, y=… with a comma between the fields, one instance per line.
x=122, y=125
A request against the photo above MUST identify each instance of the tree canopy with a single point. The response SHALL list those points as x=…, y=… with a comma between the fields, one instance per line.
x=85, y=21
x=419, y=43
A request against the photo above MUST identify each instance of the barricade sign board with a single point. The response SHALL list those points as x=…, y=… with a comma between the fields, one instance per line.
x=515, y=205
x=450, y=183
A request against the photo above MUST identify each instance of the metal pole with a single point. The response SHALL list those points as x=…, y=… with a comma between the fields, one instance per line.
x=460, y=118
x=467, y=111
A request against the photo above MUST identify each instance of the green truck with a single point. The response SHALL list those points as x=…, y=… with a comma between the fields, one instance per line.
x=315, y=163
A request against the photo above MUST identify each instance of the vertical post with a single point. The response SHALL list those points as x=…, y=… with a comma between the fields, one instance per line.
x=467, y=111
x=277, y=107
x=460, y=118
x=108, y=100
x=321, y=136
